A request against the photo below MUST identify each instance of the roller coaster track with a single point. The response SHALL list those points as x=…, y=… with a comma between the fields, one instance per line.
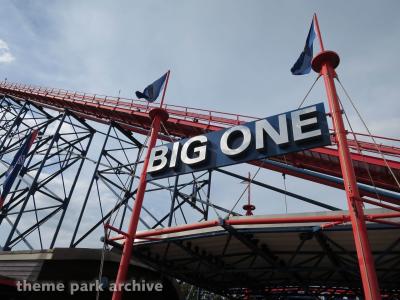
x=186, y=122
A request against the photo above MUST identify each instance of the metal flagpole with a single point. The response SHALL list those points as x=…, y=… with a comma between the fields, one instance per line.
x=157, y=115
x=325, y=63
x=165, y=88
x=321, y=43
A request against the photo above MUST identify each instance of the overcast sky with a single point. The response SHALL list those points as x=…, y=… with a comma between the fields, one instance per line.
x=232, y=56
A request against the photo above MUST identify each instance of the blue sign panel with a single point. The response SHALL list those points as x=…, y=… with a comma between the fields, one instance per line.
x=292, y=131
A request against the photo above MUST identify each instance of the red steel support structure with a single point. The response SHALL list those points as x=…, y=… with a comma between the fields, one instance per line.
x=325, y=64
x=179, y=121
x=157, y=115
x=186, y=122
x=337, y=219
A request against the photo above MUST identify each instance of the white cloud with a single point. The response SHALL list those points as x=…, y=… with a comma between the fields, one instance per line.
x=5, y=54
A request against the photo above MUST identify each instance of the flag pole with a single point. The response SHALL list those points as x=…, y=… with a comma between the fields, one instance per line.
x=321, y=44
x=165, y=88
x=325, y=63
x=157, y=115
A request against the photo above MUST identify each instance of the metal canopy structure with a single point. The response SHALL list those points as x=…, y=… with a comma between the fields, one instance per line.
x=273, y=259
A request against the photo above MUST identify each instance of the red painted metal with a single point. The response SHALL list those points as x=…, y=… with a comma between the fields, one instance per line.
x=336, y=218
x=243, y=221
x=330, y=225
x=387, y=150
x=8, y=282
x=370, y=160
x=385, y=222
x=181, y=228
x=158, y=115
x=383, y=216
x=249, y=207
x=108, y=226
x=175, y=229
x=288, y=220
x=117, y=238
x=324, y=63
x=391, y=207
x=316, y=25
x=185, y=122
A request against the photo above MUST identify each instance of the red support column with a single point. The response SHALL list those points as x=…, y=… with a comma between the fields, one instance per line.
x=158, y=115
x=325, y=64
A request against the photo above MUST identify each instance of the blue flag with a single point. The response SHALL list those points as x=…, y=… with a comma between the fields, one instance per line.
x=303, y=63
x=152, y=91
x=16, y=165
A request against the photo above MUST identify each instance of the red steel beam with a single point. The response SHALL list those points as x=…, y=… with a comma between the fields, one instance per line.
x=324, y=64
x=299, y=160
x=388, y=150
x=185, y=122
x=385, y=222
x=369, y=160
x=8, y=282
x=158, y=115
x=342, y=218
x=380, y=204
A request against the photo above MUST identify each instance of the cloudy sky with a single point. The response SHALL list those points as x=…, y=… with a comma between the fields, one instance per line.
x=231, y=56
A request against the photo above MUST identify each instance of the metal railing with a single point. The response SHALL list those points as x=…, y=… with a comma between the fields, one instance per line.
x=386, y=145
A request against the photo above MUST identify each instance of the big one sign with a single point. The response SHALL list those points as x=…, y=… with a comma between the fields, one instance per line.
x=292, y=131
